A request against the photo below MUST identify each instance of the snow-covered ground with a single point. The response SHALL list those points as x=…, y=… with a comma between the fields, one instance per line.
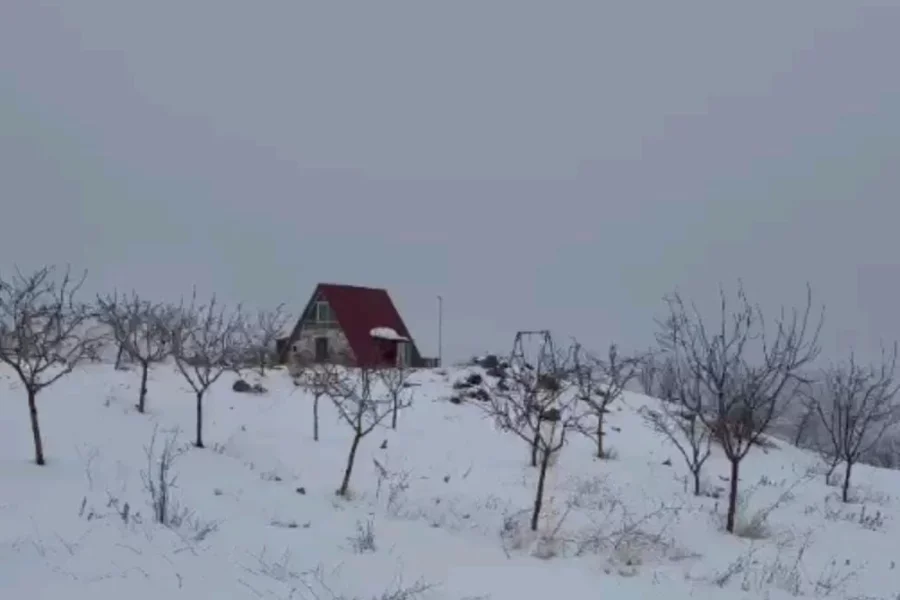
x=445, y=511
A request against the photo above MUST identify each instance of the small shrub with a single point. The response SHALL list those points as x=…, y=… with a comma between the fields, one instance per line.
x=364, y=540
x=189, y=525
x=610, y=453
x=395, y=483
x=547, y=547
x=865, y=495
x=121, y=510
x=753, y=528
x=785, y=571
x=708, y=489
x=160, y=481
x=586, y=493
x=515, y=532
x=871, y=521
x=755, y=525
x=764, y=481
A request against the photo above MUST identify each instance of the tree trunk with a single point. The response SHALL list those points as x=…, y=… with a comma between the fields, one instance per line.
x=696, y=474
x=316, y=419
x=732, y=497
x=535, y=442
x=845, y=491
x=35, y=428
x=394, y=414
x=199, y=441
x=119, y=357
x=345, y=484
x=143, y=396
x=539, y=494
x=801, y=429
x=600, y=452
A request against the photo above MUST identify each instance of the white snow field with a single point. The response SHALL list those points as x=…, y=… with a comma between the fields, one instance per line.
x=446, y=518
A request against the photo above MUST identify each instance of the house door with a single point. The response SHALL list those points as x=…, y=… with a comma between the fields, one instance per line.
x=321, y=349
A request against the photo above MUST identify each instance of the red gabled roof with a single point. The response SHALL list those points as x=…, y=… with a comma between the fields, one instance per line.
x=358, y=311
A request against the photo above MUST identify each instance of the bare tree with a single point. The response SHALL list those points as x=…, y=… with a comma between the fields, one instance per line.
x=396, y=381
x=741, y=368
x=656, y=374
x=600, y=382
x=111, y=315
x=44, y=334
x=205, y=342
x=142, y=330
x=536, y=407
x=524, y=386
x=318, y=379
x=360, y=408
x=261, y=334
x=806, y=420
x=649, y=373
x=857, y=409
x=680, y=422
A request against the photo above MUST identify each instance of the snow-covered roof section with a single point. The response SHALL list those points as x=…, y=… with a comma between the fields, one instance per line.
x=387, y=333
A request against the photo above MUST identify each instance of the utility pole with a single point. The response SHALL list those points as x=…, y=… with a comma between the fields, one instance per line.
x=440, y=300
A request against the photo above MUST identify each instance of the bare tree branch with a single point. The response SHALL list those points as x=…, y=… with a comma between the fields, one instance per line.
x=141, y=329
x=680, y=422
x=536, y=407
x=109, y=313
x=362, y=409
x=600, y=382
x=655, y=374
x=741, y=367
x=261, y=334
x=649, y=373
x=396, y=381
x=856, y=409
x=44, y=333
x=807, y=418
x=206, y=342
x=318, y=379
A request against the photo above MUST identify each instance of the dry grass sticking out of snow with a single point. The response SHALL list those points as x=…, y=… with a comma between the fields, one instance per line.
x=436, y=509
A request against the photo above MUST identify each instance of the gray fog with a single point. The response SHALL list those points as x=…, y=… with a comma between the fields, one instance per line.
x=538, y=164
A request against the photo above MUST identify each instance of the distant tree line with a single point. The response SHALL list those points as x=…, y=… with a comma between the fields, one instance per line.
x=47, y=329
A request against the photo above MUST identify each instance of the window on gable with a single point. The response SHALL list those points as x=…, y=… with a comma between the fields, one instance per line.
x=322, y=313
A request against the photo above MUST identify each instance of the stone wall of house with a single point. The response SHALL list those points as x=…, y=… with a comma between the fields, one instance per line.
x=303, y=351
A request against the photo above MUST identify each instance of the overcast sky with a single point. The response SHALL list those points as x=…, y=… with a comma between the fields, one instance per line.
x=538, y=164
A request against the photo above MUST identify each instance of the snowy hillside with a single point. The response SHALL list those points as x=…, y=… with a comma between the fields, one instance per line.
x=437, y=509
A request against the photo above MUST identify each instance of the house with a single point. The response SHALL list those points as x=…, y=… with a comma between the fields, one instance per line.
x=350, y=325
